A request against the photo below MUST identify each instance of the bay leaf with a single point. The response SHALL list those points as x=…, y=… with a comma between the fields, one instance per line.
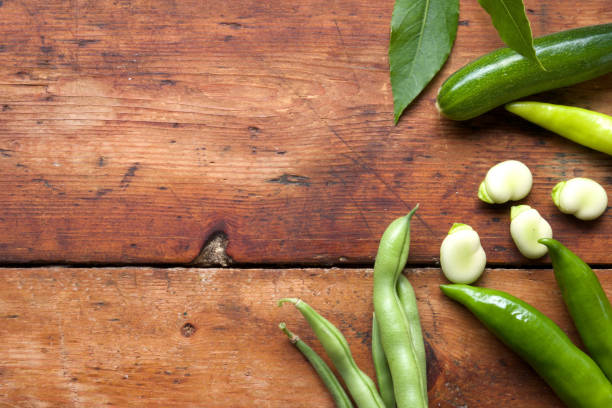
x=510, y=21
x=422, y=35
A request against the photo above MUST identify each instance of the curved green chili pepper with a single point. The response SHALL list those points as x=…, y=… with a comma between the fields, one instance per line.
x=360, y=386
x=392, y=321
x=325, y=373
x=573, y=375
x=381, y=366
x=588, y=128
x=586, y=301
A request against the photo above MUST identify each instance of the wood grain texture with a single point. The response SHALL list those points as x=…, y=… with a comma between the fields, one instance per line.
x=209, y=337
x=132, y=130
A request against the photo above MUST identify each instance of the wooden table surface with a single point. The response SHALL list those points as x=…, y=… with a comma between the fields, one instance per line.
x=171, y=169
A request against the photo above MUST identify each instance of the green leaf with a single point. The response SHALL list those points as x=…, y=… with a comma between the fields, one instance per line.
x=422, y=35
x=512, y=25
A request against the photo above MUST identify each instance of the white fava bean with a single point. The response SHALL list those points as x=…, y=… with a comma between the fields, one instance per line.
x=584, y=198
x=461, y=255
x=510, y=180
x=526, y=227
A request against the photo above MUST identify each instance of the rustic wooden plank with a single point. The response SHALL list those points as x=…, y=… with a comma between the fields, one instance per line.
x=130, y=131
x=209, y=337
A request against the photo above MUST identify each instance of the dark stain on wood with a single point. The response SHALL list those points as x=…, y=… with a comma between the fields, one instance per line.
x=288, y=179
x=85, y=42
x=45, y=183
x=165, y=82
x=98, y=305
x=46, y=49
x=6, y=153
x=129, y=175
x=103, y=191
x=254, y=130
x=234, y=25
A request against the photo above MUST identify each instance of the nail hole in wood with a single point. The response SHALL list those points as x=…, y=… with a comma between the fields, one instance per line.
x=188, y=330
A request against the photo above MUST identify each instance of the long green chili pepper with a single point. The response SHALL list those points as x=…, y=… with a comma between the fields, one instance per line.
x=392, y=321
x=381, y=366
x=586, y=301
x=332, y=384
x=588, y=128
x=360, y=386
x=573, y=375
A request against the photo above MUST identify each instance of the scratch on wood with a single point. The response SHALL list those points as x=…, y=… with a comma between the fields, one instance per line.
x=356, y=158
x=64, y=357
x=361, y=214
x=291, y=179
x=355, y=79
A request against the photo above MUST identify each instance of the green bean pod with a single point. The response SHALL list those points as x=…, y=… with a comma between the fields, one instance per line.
x=408, y=301
x=360, y=386
x=582, y=126
x=573, y=375
x=381, y=366
x=586, y=301
x=392, y=321
x=325, y=373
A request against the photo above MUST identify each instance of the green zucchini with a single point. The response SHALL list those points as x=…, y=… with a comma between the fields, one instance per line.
x=503, y=76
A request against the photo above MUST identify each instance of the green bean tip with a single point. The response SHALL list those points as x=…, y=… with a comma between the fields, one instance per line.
x=287, y=300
